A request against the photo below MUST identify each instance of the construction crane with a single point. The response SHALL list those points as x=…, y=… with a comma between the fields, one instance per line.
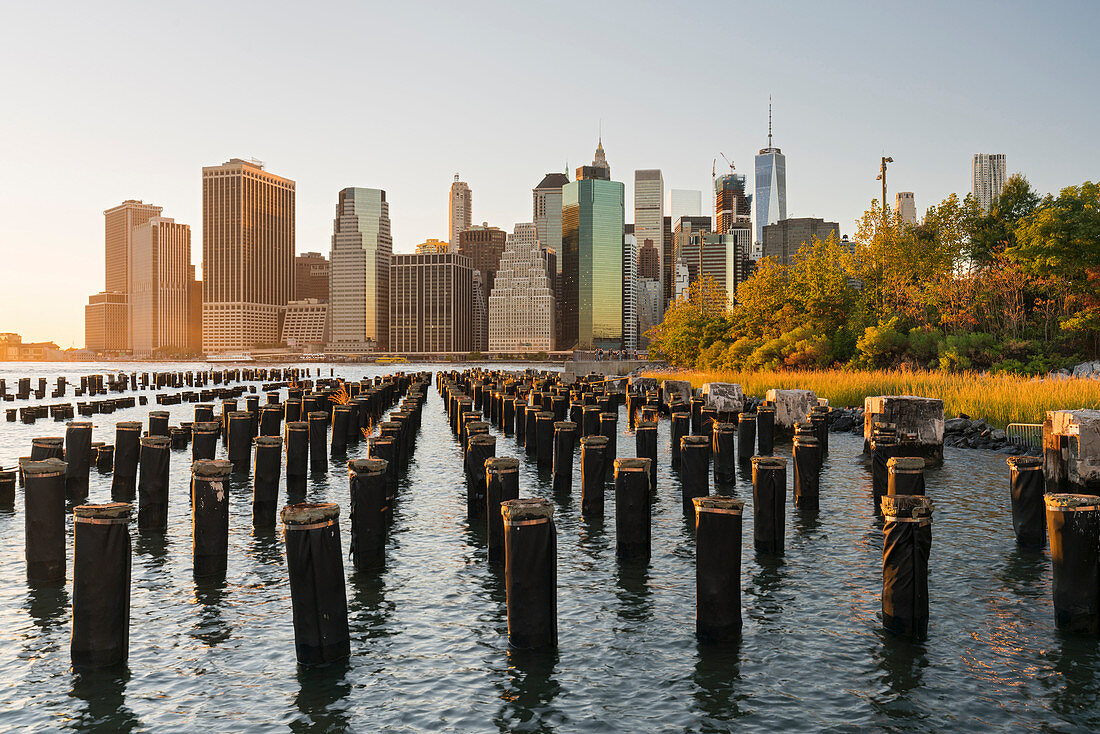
x=727, y=160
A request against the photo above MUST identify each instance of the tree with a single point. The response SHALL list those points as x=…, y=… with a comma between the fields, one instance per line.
x=993, y=233
x=1062, y=237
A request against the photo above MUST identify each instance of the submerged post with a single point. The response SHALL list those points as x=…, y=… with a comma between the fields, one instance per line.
x=153, y=484
x=530, y=573
x=44, y=500
x=565, y=436
x=718, y=568
x=594, y=462
x=1073, y=524
x=265, y=481
x=210, y=512
x=317, y=593
x=501, y=485
x=905, y=475
x=906, y=545
x=369, y=509
x=769, y=503
x=101, y=586
x=632, y=510
x=1026, y=487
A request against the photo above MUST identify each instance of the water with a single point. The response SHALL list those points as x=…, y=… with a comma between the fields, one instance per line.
x=429, y=645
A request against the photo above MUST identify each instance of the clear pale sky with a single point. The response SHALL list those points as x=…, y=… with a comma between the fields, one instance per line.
x=109, y=101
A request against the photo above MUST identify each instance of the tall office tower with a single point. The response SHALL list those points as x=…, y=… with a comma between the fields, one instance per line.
x=987, y=178
x=160, y=286
x=592, y=268
x=783, y=239
x=600, y=169
x=521, y=306
x=104, y=315
x=194, y=316
x=649, y=214
x=311, y=276
x=430, y=298
x=432, y=246
x=483, y=245
x=649, y=262
x=460, y=211
x=723, y=258
x=630, y=293
x=118, y=229
x=546, y=211
x=771, y=188
x=684, y=203
x=479, y=310
x=905, y=204
x=685, y=229
x=732, y=206
x=360, y=265
x=247, y=254
x=649, y=308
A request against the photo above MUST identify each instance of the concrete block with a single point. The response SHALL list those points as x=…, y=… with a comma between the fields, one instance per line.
x=675, y=388
x=1075, y=436
x=725, y=397
x=920, y=418
x=791, y=406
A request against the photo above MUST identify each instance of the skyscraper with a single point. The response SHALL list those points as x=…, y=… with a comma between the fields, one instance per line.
x=723, y=258
x=483, y=245
x=592, y=255
x=771, y=188
x=599, y=169
x=160, y=286
x=905, y=204
x=359, y=284
x=649, y=214
x=783, y=239
x=630, y=293
x=987, y=178
x=311, y=276
x=104, y=316
x=521, y=306
x=460, y=211
x=430, y=298
x=683, y=203
x=247, y=254
x=119, y=223
x=732, y=206
x=649, y=262
x=546, y=211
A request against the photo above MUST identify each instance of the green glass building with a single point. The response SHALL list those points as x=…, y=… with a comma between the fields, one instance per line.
x=592, y=264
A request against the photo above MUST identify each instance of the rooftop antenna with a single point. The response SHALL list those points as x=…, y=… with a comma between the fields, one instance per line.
x=769, y=121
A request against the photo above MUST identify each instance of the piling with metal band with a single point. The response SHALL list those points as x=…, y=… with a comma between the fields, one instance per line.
x=228, y=406
x=632, y=510
x=265, y=483
x=127, y=444
x=177, y=437
x=292, y=410
x=271, y=418
x=463, y=426
x=7, y=488
x=521, y=421
x=530, y=436
x=590, y=420
x=680, y=426
x=906, y=545
x=530, y=573
x=905, y=475
x=1073, y=525
x=480, y=448
x=501, y=485
x=1026, y=486
x=105, y=459
x=508, y=415
x=746, y=437
x=651, y=413
x=210, y=517
x=101, y=586
x=706, y=422
x=697, y=405
x=609, y=426
x=297, y=451
x=769, y=500
x=47, y=447
x=565, y=440
x=645, y=444
x=819, y=417
x=78, y=458
x=153, y=483
x=883, y=448
x=318, y=437
x=314, y=561
x=158, y=423
x=204, y=413
x=204, y=440
x=765, y=430
x=44, y=509
x=369, y=513
x=694, y=469
x=341, y=419
x=718, y=568
x=544, y=438
x=594, y=463
x=240, y=440
x=807, y=471
x=723, y=440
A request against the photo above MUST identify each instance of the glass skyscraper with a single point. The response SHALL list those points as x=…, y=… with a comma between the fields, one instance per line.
x=771, y=189
x=359, y=285
x=592, y=263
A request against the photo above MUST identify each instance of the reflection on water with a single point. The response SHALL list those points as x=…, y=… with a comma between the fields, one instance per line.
x=369, y=610
x=1077, y=687
x=528, y=692
x=323, y=698
x=900, y=663
x=210, y=626
x=716, y=680
x=154, y=546
x=47, y=605
x=1023, y=570
x=104, y=709
x=807, y=519
x=633, y=592
x=266, y=546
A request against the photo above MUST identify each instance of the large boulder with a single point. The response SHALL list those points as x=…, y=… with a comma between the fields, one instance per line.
x=673, y=389
x=641, y=384
x=919, y=422
x=791, y=406
x=1071, y=451
x=725, y=397
x=1087, y=369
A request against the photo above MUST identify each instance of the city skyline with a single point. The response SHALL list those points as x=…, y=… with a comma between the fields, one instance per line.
x=834, y=117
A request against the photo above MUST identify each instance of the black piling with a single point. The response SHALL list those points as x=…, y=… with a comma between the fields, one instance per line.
x=694, y=469
x=544, y=441
x=645, y=444
x=806, y=457
x=127, y=453
x=265, y=481
x=1026, y=487
x=480, y=448
x=369, y=513
x=47, y=447
x=78, y=458
x=318, y=438
x=158, y=423
x=565, y=440
x=501, y=485
x=680, y=426
x=723, y=442
x=44, y=508
x=609, y=426
x=101, y=586
x=718, y=568
x=341, y=419
x=240, y=441
x=765, y=430
x=297, y=457
x=1073, y=526
x=632, y=510
x=204, y=440
x=530, y=573
x=153, y=483
x=317, y=593
x=906, y=545
x=594, y=463
x=7, y=489
x=210, y=517
x=746, y=438
x=769, y=499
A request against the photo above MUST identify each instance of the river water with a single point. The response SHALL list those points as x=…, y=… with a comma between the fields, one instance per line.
x=429, y=644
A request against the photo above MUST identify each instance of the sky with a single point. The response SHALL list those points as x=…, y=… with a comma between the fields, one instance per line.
x=103, y=102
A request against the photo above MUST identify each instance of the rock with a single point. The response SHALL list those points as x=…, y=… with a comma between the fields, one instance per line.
x=671, y=389
x=964, y=415
x=642, y=384
x=956, y=425
x=1087, y=369
x=998, y=435
x=791, y=406
x=1062, y=374
x=844, y=423
x=725, y=397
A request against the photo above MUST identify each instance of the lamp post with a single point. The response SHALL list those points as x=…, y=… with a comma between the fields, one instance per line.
x=882, y=177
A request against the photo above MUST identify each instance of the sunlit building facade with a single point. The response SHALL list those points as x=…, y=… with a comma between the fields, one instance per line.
x=430, y=301
x=987, y=178
x=649, y=214
x=460, y=210
x=592, y=263
x=360, y=271
x=160, y=287
x=521, y=306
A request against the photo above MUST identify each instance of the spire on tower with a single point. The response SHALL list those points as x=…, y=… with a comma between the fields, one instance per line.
x=769, y=121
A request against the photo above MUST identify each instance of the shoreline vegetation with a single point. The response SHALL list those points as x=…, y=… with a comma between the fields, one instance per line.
x=997, y=399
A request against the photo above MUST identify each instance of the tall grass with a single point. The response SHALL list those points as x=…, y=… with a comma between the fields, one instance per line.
x=998, y=399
